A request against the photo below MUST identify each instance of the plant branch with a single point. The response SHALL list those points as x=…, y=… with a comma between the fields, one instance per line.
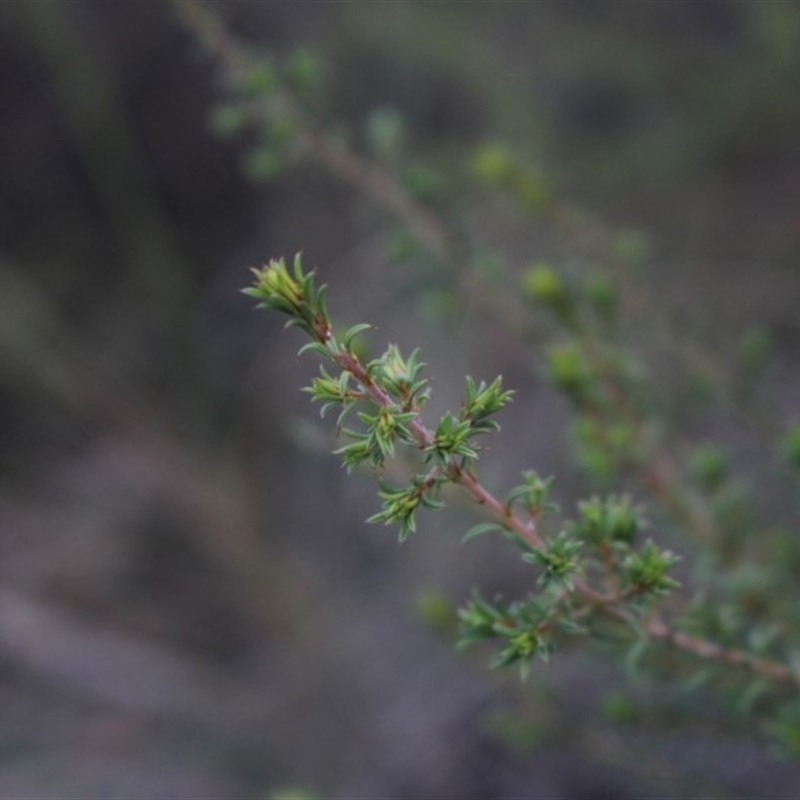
x=296, y=296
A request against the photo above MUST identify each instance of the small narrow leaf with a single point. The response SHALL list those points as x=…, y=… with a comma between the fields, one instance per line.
x=353, y=332
x=313, y=347
x=478, y=530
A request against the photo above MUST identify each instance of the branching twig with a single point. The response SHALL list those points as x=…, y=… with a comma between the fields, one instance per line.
x=388, y=383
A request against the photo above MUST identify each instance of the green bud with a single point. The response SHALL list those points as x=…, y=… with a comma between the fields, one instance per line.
x=294, y=294
x=623, y=519
x=275, y=285
x=647, y=570
x=558, y=560
x=452, y=438
x=613, y=519
x=397, y=374
x=435, y=611
x=482, y=402
x=533, y=494
x=542, y=284
x=493, y=164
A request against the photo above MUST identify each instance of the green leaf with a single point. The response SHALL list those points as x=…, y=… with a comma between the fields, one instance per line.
x=534, y=493
x=646, y=571
x=478, y=530
x=407, y=527
x=353, y=332
x=482, y=402
x=558, y=560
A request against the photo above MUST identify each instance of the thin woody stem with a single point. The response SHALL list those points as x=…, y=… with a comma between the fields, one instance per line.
x=365, y=176
x=368, y=177
x=702, y=648
x=296, y=296
x=611, y=605
x=378, y=184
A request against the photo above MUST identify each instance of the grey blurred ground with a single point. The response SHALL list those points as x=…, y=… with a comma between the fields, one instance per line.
x=190, y=602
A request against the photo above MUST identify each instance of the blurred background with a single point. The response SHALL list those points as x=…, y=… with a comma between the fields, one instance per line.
x=191, y=604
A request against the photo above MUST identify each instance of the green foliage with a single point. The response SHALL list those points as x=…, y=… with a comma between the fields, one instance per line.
x=483, y=401
x=558, y=559
x=392, y=388
x=543, y=285
x=436, y=612
x=533, y=495
x=594, y=576
x=521, y=628
x=646, y=572
x=400, y=505
x=293, y=294
x=399, y=376
x=607, y=521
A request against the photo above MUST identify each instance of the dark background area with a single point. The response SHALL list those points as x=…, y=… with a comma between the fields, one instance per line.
x=190, y=602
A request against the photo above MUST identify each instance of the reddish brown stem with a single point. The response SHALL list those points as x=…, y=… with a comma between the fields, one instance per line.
x=610, y=604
